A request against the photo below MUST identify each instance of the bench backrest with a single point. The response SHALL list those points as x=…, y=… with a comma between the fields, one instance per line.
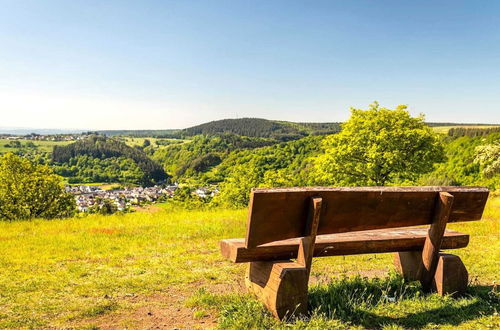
x=280, y=213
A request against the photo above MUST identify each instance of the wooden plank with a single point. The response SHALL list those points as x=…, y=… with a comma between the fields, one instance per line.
x=306, y=246
x=451, y=275
x=279, y=213
x=373, y=241
x=434, y=238
x=281, y=286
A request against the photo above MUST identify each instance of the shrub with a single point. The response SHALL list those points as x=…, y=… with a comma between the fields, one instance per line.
x=29, y=190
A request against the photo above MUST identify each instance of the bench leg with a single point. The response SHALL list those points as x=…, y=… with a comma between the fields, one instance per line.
x=408, y=263
x=451, y=275
x=280, y=285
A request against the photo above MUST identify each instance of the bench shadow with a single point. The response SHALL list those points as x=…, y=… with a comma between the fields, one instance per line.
x=354, y=301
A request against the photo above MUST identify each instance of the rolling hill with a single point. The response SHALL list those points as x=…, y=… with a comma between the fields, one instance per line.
x=258, y=127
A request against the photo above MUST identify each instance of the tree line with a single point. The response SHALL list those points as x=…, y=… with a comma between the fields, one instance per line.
x=472, y=131
x=102, y=148
x=376, y=146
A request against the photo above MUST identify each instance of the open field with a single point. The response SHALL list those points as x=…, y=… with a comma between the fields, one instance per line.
x=139, y=141
x=45, y=146
x=163, y=268
x=445, y=129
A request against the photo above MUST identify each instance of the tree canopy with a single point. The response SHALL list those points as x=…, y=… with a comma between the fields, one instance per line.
x=488, y=156
x=81, y=159
x=29, y=190
x=378, y=146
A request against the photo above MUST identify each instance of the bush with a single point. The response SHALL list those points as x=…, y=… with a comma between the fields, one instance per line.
x=29, y=190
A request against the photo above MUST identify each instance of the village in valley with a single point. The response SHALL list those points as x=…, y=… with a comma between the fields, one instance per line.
x=89, y=198
x=47, y=137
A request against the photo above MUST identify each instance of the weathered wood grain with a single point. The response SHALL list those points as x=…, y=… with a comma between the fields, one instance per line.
x=279, y=214
x=434, y=239
x=408, y=264
x=306, y=246
x=372, y=241
x=280, y=285
x=451, y=276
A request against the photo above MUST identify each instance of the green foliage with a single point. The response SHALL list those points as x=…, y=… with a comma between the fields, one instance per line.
x=102, y=148
x=13, y=144
x=191, y=160
x=103, y=207
x=28, y=190
x=463, y=163
x=87, y=169
x=488, y=156
x=284, y=164
x=253, y=127
x=165, y=142
x=185, y=198
x=472, y=131
x=378, y=146
x=319, y=128
x=202, y=163
x=257, y=127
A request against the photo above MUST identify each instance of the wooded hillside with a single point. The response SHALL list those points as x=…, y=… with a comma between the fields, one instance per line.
x=128, y=163
x=257, y=127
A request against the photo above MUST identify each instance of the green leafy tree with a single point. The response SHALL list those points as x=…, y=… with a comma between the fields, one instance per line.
x=488, y=156
x=466, y=162
x=281, y=165
x=29, y=190
x=103, y=206
x=378, y=146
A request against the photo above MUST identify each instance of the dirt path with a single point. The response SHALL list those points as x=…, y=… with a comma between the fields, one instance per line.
x=164, y=310
x=160, y=311
x=147, y=209
x=167, y=310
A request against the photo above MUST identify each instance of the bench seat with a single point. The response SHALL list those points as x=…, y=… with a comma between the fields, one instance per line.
x=361, y=242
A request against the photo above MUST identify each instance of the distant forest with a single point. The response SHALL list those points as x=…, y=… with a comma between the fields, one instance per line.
x=472, y=131
x=257, y=127
x=102, y=159
x=235, y=153
x=253, y=127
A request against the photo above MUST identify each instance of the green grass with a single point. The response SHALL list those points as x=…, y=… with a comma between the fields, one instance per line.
x=45, y=146
x=445, y=129
x=139, y=141
x=359, y=302
x=72, y=272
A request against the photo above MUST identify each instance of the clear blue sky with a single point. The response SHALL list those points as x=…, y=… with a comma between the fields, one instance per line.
x=170, y=64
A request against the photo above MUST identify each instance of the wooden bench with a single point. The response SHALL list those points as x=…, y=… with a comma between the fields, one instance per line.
x=283, y=224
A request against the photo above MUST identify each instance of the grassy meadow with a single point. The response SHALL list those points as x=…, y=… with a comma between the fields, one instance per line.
x=445, y=129
x=162, y=267
x=139, y=141
x=43, y=146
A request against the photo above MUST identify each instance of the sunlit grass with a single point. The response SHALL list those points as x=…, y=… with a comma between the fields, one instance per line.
x=445, y=129
x=63, y=272
x=45, y=146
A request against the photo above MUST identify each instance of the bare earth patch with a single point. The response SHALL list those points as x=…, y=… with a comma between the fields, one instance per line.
x=147, y=209
x=167, y=310
x=158, y=311
x=106, y=231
